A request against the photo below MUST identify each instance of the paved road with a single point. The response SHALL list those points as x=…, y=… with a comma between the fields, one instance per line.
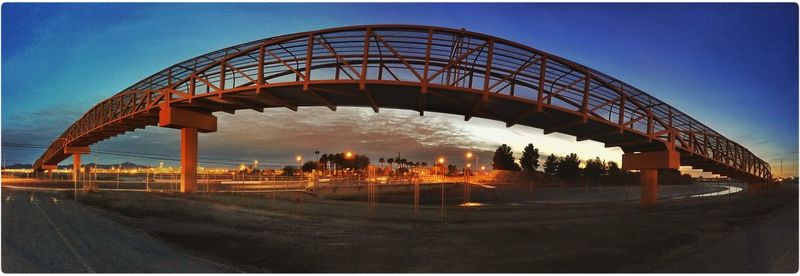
x=49, y=232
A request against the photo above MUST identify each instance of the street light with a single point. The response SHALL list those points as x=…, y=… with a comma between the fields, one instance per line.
x=349, y=156
x=299, y=164
x=469, y=156
x=441, y=164
x=119, y=168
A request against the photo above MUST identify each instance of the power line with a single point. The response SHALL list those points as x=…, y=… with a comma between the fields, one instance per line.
x=153, y=156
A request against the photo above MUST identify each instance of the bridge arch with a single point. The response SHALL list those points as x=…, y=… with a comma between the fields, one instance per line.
x=419, y=68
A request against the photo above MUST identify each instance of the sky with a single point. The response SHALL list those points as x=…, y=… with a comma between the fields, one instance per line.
x=733, y=67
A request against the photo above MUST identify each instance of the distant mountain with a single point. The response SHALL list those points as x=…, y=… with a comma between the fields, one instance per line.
x=18, y=166
x=125, y=166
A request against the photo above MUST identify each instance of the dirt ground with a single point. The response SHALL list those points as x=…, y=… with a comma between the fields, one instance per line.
x=298, y=233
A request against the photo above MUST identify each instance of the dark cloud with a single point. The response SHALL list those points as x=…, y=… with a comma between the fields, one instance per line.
x=276, y=136
x=282, y=134
x=39, y=127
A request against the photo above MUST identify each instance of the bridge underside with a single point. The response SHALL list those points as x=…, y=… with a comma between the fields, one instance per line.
x=422, y=68
x=498, y=107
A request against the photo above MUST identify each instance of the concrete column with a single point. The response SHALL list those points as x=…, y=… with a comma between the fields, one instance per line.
x=188, y=160
x=48, y=169
x=76, y=166
x=76, y=152
x=190, y=123
x=649, y=181
x=648, y=164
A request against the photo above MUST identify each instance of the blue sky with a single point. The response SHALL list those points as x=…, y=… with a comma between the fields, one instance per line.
x=731, y=66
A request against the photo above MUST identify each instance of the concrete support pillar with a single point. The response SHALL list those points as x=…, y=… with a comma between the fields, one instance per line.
x=76, y=152
x=648, y=164
x=76, y=166
x=190, y=122
x=649, y=182
x=188, y=160
x=48, y=169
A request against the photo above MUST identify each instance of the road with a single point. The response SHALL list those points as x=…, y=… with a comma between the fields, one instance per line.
x=48, y=232
x=767, y=244
x=158, y=232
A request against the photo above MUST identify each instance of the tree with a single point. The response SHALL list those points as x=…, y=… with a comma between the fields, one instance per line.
x=568, y=166
x=594, y=168
x=324, y=160
x=452, y=169
x=360, y=162
x=530, y=159
x=613, y=169
x=289, y=170
x=338, y=161
x=672, y=176
x=381, y=160
x=504, y=159
x=551, y=165
x=310, y=166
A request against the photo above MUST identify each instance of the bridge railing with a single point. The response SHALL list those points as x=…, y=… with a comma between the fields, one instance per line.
x=428, y=57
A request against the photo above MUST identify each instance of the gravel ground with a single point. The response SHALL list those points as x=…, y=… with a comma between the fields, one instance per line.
x=295, y=232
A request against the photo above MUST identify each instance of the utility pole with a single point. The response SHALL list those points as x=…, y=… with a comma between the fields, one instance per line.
x=147, y=179
x=94, y=156
x=118, y=168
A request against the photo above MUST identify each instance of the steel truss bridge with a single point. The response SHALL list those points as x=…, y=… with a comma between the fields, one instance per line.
x=417, y=68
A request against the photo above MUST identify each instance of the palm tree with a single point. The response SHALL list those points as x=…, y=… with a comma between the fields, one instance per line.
x=338, y=159
x=390, y=161
x=381, y=160
x=322, y=160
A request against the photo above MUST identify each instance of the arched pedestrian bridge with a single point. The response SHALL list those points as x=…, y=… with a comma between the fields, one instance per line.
x=417, y=68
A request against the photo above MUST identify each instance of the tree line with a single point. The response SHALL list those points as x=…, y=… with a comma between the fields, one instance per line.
x=568, y=167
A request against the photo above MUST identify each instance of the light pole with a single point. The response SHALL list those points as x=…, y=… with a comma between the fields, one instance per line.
x=349, y=157
x=147, y=179
x=466, y=179
x=441, y=164
x=160, y=168
x=299, y=164
x=255, y=167
x=118, y=176
x=469, y=156
x=94, y=180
